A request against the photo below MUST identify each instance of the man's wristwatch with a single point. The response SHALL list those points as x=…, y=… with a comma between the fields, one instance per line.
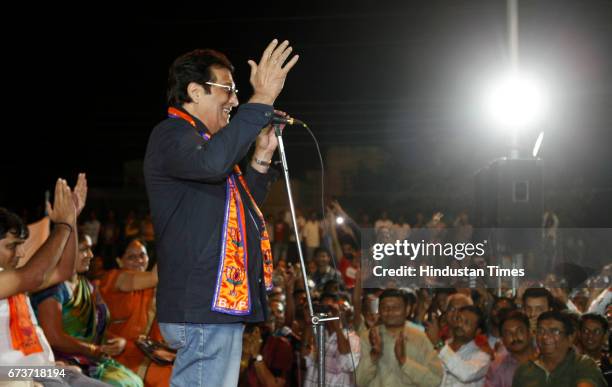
x=263, y=163
x=258, y=358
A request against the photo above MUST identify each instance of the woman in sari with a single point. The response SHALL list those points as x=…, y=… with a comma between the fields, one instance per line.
x=129, y=293
x=74, y=318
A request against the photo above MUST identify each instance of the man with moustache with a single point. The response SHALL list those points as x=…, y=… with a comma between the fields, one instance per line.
x=438, y=334
x=500, y=306
x=213, y=248
x=535, y=302
x=395, y=353
x=465, y=364
x=515, y=334
x=594, y=334
x=558, y=364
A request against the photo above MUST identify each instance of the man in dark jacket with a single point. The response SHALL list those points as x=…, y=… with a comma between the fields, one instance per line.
x=214, y=253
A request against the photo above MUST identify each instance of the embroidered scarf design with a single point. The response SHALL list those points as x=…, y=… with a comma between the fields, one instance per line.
x=232, y=287
x=23, y=332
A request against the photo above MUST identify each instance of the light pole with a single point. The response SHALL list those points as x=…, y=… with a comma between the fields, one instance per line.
x=514, y=103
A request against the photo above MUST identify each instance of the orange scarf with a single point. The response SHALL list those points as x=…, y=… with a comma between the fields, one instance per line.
x=232, y=289
x=23, y=333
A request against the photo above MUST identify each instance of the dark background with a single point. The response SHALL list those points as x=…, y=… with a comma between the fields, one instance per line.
x=84, y=88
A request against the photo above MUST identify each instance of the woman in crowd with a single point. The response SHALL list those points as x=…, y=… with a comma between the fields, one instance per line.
x=129, y=293
x=75, y=318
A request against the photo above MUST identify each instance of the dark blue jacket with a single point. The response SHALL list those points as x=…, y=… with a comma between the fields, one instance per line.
x=185, y=178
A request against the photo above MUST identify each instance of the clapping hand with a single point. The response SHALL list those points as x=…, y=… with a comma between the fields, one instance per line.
x=375, y=343
x=79, y=193
x=63, y=210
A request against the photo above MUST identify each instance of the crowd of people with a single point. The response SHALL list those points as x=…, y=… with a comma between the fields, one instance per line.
x=93, y=313
x=225, y=299
x=60, y=311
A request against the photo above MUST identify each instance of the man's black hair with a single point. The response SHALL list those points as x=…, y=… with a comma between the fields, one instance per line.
x=12, y=223
x=408, y=298
x=513, y=315
x=597, y=318
x=194, y=66
x=538, y=293
x=563, y=318
x=480, y=324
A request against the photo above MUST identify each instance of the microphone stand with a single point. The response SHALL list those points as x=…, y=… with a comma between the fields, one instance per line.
x=318, y=320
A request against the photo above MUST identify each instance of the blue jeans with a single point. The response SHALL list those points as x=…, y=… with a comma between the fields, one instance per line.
x=208, y=355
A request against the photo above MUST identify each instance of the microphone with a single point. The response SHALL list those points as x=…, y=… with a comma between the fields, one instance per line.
x=278, y=119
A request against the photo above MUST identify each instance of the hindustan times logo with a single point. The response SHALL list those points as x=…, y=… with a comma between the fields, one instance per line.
x=414, y=250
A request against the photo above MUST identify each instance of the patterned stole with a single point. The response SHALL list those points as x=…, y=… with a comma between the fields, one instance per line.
x=23, y=333
x=232, y=288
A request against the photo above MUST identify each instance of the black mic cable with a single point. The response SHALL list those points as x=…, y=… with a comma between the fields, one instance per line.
x=278, y=120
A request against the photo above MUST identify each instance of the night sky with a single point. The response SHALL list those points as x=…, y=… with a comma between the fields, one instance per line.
x=85, y=92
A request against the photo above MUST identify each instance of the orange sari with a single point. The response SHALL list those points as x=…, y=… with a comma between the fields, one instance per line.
x=132, y=315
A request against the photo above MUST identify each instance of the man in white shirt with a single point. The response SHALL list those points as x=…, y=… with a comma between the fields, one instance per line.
x=312, y=235
x=342, y=351
x=23, y=344
x=395, y=353
x=465, y=365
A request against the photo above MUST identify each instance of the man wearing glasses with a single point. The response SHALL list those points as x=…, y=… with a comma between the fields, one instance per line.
x=214, y=257
x=558, y=365
x=593, y=339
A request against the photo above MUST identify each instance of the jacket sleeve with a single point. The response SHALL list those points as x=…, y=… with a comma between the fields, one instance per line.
x=186, y=156
x=259, y=183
